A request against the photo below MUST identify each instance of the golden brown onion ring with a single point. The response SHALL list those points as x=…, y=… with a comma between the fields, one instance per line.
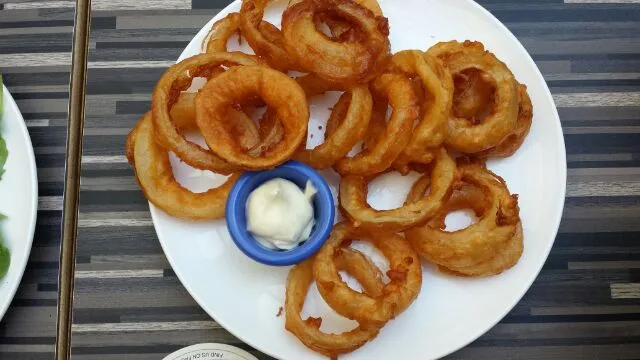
x=471, y=138
x=504, y=259
x=464, y=135
x=479, y=242
x=353, y=199
x=217, y=38
x=308, y=331
x=340, y=28
x=513, y=141
x=443, y=50
x=348, y=62
x=314, y=85
x=473, y=198
x=372, y=5
x=377, y=125
x=183, y=112
x=362, y=268
x=276, y=89
x=264, y=38
x=437, y=84
x=397, y=89
x=176, y=79
x=353, y=110
x=155, y=176
x=405, y=274
x=241, y=126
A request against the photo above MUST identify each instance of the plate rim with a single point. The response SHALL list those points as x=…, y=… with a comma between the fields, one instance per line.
x=559, y=206
x=19, y=119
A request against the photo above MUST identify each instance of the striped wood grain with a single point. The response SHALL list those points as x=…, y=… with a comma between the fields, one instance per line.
x=35, y=59
x=584, y=305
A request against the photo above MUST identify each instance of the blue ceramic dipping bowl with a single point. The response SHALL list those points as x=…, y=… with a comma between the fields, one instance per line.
x=323, y=206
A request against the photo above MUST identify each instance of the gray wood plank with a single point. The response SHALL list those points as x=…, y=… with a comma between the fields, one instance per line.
x=584, y=305
x=35, y=58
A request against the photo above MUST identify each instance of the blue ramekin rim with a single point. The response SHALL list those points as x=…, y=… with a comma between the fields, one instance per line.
x=236, y=208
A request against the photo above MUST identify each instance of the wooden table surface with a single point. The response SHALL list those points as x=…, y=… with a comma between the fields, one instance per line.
x=35, y=60
x=128, y=302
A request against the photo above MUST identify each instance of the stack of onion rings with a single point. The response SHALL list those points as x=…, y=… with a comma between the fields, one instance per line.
x=405, y=274
x=456, y=98
x=178, y=78
x=308, y=331
x=375, y=306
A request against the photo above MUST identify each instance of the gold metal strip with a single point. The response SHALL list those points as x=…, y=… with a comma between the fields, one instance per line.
x=75, y=130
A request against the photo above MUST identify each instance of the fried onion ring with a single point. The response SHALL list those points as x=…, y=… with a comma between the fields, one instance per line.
x=405, y=274
x=279, y=91
x=176, y=79
x=473, y=198
x=243, y=128
x=183, y=112
x=513, y=141
x=362, y=268
x=443, y=50
x=397, y=89
x=464, y=135
x=470, y=138
x=437, y=84
x=341, y=29
x=308, y=331
x=314, y=85
x=507, y=257
x=353, y=199
x=155, y=176
x=377, y=125
x=353, y=110
x=217, y=38
x=347, y=62
x=264, y=38
x=480, y=242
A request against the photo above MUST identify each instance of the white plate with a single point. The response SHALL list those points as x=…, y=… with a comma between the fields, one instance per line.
x=244, y=296
x=18, y=198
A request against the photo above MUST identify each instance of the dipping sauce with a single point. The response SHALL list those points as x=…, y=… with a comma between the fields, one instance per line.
x=280, y=214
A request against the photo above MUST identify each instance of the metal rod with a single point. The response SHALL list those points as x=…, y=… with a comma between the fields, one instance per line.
x=73, y=163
